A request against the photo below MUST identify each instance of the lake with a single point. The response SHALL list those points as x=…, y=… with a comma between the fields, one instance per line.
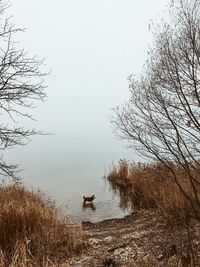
x=67, y=193
x=65, y=170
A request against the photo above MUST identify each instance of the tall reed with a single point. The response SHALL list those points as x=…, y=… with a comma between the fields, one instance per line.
x=150, y=186
x=32, y=232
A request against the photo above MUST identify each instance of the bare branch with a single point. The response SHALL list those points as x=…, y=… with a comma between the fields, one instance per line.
x=21, y=85
x=161, y=120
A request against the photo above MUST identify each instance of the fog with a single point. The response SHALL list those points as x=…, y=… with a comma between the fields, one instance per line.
x=90, y=47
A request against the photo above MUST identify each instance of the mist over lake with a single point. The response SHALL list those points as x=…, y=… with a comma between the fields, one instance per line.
x=89, y=48
x=65, y=169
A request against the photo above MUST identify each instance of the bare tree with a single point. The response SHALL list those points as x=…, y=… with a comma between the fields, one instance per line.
x=161, y=120
x=21, y=83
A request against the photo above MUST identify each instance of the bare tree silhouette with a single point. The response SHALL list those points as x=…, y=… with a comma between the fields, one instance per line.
x=161, y=120
x=21, y=84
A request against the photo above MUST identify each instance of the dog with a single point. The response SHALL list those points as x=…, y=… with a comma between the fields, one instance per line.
x=88, y=199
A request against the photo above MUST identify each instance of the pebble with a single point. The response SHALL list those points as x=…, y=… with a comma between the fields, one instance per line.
x=93, y=241
x=125, y=253
x=108, y=239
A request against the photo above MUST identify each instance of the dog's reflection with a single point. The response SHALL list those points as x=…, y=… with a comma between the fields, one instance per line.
x=88, y=205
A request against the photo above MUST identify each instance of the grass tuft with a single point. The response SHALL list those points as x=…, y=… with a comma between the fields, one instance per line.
x=32, y=232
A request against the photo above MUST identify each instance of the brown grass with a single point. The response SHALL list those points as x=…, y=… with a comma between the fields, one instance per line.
x=32, y=232
x=150, y=186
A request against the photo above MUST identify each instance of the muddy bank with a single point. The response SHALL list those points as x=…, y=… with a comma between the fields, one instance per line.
x=141, y=239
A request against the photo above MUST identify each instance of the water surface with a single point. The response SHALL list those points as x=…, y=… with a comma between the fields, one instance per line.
x=67, y=193
x=64, y=169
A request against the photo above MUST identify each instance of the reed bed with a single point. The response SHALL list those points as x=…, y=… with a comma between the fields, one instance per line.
x=32, y=232
x=151, y=186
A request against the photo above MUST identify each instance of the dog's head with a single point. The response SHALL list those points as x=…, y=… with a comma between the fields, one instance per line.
x=87, y=198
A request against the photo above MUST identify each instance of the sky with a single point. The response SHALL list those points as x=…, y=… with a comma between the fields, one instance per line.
x=91, y=47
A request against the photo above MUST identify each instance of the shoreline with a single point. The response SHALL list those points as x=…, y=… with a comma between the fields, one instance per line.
x=142, y=238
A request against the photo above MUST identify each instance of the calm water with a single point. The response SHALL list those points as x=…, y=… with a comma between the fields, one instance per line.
x=66, y=169
x=67, y=192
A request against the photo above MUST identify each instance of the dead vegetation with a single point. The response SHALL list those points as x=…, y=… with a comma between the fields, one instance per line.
x=32, y=232
x=151, y=186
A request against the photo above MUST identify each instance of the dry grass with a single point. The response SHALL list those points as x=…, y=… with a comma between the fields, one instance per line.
x=32, y=232
x=150, y=186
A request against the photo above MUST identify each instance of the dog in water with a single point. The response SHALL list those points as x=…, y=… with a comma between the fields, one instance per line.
x=88, y=199
x=89, y=205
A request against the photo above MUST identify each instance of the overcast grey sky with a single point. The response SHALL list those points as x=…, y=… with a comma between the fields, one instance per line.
x=91, y=47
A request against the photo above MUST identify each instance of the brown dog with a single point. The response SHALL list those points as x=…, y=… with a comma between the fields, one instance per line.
x=88, y=199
